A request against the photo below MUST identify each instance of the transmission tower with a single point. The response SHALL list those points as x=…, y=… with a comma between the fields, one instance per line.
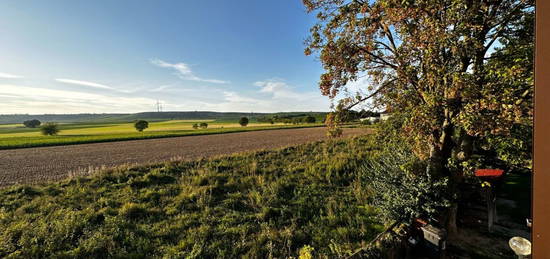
x=159, y=106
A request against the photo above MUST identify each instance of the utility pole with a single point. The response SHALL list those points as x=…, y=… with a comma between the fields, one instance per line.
x=159, y=106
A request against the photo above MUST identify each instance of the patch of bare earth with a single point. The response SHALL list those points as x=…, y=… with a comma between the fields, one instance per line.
x=37, y=165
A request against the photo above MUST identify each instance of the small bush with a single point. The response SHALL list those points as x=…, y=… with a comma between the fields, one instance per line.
x=49, y=129
x=133, y=211
x=402, y=188
x=203, y=125
x=334, y=132
x=32, y=123
x=310, y=119
x=140, y=125
x=243, y=121
x=297, y=121
x=195, y=126
x=306, y=252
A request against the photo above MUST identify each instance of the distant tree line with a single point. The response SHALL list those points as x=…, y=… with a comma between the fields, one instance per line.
x=364, y=114
x=288, y=119
x=346, y=116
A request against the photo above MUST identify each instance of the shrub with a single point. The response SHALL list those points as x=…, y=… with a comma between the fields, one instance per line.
x=32, y=123
x=203, y=125
x=334, y=132
x=133, y=211
x=296, y=120
x=306, y=252
x=310, y=119
x=49, y=129
x=140, y=125
x=333, y=121
x=195, y=126
x=402, y=188
x=243, y=121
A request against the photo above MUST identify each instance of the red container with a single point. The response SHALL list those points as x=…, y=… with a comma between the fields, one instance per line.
x=489, y=173
x=418, y=223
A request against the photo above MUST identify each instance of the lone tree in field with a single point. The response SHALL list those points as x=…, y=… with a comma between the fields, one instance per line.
x=49, y=129
x=141, y=125
x=431, y=62
x=32, y=123
x=243, y=121
x=203, y=125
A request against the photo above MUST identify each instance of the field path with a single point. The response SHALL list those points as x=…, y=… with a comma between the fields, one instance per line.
x=42, y=164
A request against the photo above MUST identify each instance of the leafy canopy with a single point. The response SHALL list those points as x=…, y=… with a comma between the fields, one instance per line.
x=141, y=125
x=49, y=129
x=435, y=66
x=428, y=59
x=32, y=123
x=243, y=121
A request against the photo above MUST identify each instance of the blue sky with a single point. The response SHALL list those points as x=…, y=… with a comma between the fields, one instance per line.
x=98, y=56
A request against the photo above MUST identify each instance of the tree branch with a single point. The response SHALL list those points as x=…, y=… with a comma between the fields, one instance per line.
x=371, y=95
x=382, y=60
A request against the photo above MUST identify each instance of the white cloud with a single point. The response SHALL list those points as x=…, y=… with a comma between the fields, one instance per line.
x=24, y=99
x=9, y=76
x=273, y=95
x=160, y=88
x=363, y=86
x=8, y=96
x=281, y=90
x=272, y=86
x=360, y=85
x=83, y=83
x=233, y=97
x=184, y=72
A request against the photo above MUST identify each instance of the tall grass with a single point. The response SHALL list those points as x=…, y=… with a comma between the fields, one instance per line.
x=258, y=205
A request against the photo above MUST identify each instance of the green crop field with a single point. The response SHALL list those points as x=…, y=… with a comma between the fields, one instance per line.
x=255, y=205
x=17, y=136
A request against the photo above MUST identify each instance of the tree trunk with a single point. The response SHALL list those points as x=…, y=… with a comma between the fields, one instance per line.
x=464, y=153
x=452, y=228
x=435, y=165
x=440, y=153
x=441, y=148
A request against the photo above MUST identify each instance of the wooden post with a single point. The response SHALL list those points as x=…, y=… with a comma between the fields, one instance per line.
x=491, y=208
x=541, y=167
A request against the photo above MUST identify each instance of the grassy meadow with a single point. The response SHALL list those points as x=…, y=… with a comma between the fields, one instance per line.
x=17, y=136
x=277, y=203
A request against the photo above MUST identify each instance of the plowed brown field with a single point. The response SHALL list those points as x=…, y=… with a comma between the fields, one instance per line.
x=36, y=165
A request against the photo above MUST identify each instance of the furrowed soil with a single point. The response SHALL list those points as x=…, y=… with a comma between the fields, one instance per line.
x=44, y=164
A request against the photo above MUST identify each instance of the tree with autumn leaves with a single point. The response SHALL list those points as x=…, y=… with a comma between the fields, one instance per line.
x=458, y=72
